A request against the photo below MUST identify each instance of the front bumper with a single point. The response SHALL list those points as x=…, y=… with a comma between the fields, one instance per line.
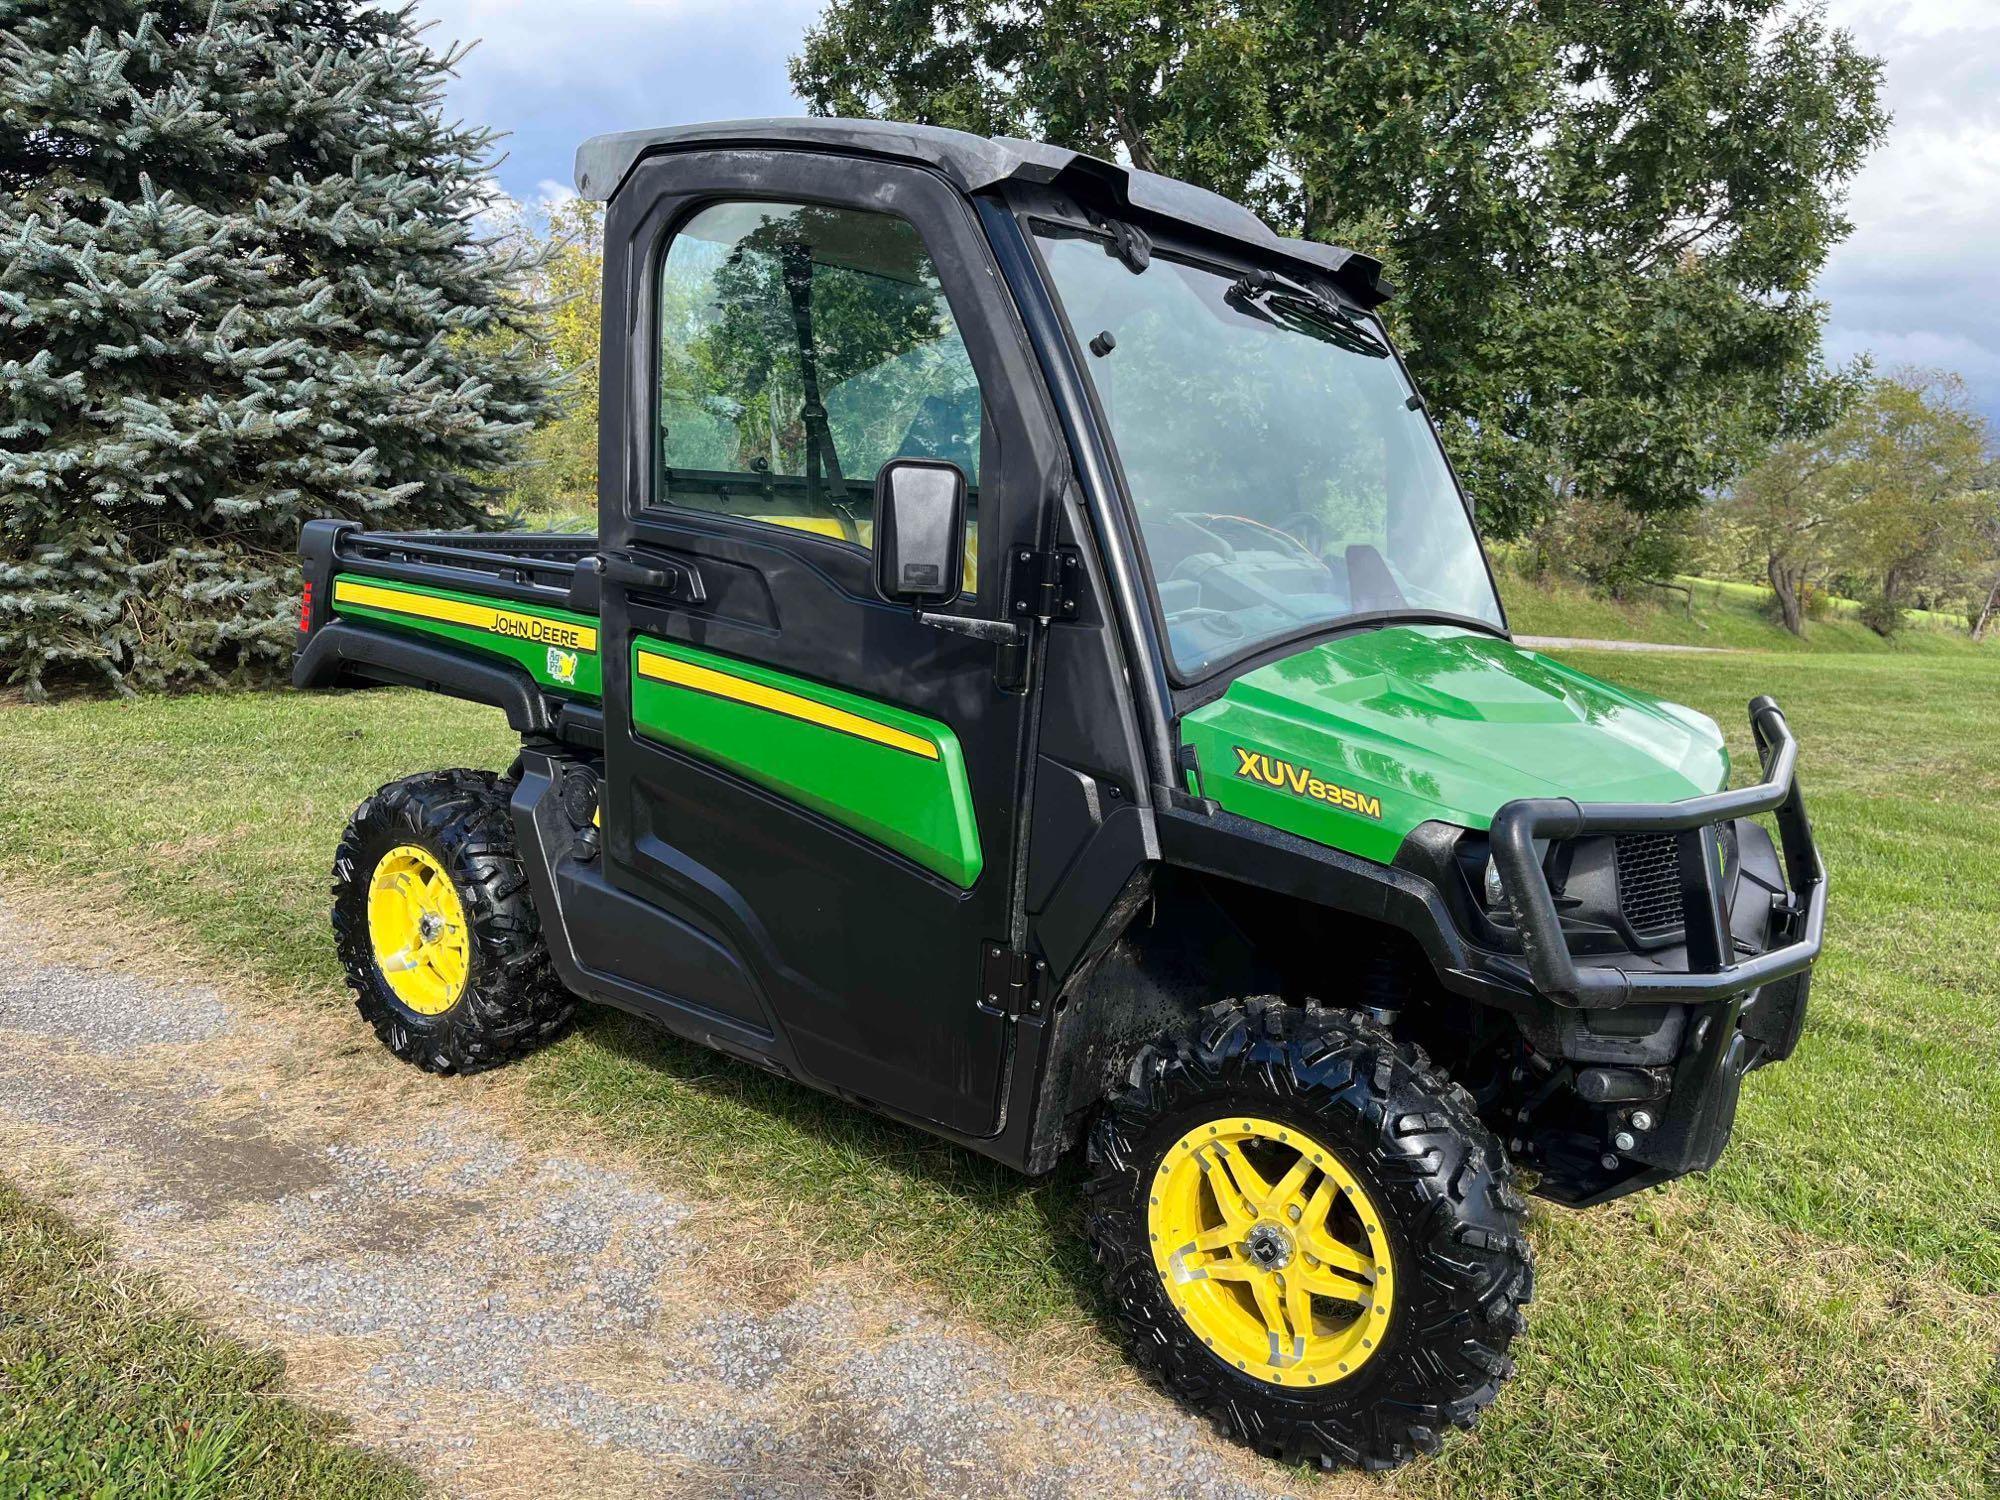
x=1733, y=1005
x=1716, y=970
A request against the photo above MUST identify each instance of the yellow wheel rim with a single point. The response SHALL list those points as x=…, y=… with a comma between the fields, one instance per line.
x=1272, y=1251
x=417, y=926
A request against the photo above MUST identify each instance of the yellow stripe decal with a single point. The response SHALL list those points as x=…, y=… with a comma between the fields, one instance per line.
x=777, y=700
x=511, y=622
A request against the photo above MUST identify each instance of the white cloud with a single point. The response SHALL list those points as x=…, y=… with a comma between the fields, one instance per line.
x=551, y=75
x=550, y=194
x=1916, y=282
x=1915, y=19
x=607, y=46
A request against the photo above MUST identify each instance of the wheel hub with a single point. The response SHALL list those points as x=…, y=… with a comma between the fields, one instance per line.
x=1272, y=1251
x=1268, y=1246
x=417, y=927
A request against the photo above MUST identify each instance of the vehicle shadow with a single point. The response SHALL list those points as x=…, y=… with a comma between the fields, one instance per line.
x=1003, y=1247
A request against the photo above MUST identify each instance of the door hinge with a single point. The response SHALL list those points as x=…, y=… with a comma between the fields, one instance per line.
x=1046, y=585
x=1011, y=983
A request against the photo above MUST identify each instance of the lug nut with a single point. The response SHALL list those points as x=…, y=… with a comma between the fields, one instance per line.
x=1642, y=1119
x=1624, y=1140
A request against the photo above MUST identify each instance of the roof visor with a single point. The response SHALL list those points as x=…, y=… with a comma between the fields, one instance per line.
x=974, y=163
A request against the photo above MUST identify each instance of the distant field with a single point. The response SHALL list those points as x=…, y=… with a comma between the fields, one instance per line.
x=1760, y=595
x=1820, y=1316
x=1724, y=613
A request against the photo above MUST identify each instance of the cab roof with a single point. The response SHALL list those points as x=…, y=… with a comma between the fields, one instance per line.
x=974, y=163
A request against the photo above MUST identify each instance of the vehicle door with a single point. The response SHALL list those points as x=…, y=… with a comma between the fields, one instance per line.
x=815, y=791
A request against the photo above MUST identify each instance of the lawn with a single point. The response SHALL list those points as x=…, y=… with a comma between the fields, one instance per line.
x=1821, y=1315
x=109, y=1390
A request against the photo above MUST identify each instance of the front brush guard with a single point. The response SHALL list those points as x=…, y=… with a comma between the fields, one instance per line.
x=1712, y=972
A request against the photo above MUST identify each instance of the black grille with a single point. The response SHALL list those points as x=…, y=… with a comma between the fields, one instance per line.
x=1649, y=882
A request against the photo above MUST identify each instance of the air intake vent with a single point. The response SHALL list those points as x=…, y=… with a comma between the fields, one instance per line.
x=1649, y=882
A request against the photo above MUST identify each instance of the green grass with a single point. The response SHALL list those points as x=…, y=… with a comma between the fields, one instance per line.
x=1883, y=1133
x=108, y=1390
x=1820, y=1315
x=1735, y=616
x=1759, y=596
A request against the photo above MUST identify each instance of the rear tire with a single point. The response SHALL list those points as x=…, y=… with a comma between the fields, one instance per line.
x=1404, y=1148
x=495, y=995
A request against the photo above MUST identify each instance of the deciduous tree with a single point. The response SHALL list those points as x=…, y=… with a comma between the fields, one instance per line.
x=1607, y=217
x=1913, y=455
x=1896, y=495
x=1783, y=514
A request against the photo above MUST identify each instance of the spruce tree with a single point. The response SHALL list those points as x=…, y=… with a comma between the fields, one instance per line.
x=242, y=284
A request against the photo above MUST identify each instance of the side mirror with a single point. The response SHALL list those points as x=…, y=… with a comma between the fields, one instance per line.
x=919, y=531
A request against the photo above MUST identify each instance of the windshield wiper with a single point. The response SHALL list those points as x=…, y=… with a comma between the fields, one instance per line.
x=1287, y=304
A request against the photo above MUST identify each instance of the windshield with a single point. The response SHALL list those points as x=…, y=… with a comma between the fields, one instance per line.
x=1283, y=474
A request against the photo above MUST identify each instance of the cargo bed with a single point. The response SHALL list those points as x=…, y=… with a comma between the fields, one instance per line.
x=506, y=618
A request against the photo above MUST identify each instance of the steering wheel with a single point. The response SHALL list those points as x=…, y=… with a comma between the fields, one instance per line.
x=1310, y=531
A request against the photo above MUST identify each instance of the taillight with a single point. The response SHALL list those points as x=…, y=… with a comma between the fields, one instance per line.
x=306, y=608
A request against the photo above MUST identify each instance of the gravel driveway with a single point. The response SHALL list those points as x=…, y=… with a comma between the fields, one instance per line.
x=1584, y=643
x=513, y=1320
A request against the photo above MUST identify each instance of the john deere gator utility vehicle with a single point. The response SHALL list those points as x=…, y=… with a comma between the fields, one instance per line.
x=1036, y=676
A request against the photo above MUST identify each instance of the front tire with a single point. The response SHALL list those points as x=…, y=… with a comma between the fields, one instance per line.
x=436, y=927
x=1307, y=1233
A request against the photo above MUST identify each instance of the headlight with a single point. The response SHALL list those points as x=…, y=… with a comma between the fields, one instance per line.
x=1496, y=894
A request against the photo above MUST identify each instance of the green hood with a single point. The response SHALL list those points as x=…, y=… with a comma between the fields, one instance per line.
x=1356, y=741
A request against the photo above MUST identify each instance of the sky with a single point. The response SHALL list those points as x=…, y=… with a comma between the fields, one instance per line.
x=1918, y=283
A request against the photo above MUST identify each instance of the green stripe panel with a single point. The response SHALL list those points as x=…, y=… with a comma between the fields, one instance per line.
x=557, y=647
x=893, y=776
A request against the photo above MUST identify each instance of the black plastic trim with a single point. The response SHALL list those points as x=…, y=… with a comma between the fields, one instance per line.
x=505, y=564
x=342, y=652
x=319, y=545
x=973, y=164
x=1238, y=848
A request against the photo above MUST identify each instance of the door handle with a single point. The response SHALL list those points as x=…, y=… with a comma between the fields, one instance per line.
x=677, y=580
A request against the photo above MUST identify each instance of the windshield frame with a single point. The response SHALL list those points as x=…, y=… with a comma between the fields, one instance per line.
x=1215, y=673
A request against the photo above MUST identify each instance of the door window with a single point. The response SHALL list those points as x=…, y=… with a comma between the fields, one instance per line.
x=801, y=348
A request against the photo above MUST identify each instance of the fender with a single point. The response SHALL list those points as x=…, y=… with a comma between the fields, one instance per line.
x=340, y=652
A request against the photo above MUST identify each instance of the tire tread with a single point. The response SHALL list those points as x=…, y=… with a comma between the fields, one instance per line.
x=513, y=1001
x=1444, y=1178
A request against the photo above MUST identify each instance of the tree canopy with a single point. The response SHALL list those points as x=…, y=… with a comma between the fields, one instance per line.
x=1897, y=498
x=241, y=285
x=1606, y=219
